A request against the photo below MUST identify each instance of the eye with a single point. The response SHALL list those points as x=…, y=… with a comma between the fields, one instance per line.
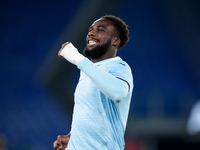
x=100, y=30
x=90, y=30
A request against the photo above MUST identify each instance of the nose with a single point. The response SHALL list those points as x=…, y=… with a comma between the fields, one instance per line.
x=91, y=33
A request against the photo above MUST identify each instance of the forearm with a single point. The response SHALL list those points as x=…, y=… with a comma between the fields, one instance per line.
x=114, y=88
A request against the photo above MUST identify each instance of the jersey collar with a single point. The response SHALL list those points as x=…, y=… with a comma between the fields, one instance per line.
x=107, y=60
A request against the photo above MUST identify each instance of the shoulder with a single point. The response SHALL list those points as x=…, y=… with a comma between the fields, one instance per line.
x=120, y=68
x=119, y=64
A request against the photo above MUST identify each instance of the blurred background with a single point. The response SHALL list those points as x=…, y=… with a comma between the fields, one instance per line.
x=36, y=87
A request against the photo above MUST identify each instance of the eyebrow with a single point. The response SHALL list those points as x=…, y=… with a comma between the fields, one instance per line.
x=97, y=26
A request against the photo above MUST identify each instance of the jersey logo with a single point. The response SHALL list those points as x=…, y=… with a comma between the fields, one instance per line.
x=122, y=64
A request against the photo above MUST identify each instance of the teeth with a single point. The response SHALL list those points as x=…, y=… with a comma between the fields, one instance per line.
x=92, y=42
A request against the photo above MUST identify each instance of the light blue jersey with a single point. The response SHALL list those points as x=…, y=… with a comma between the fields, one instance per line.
x=102, y=100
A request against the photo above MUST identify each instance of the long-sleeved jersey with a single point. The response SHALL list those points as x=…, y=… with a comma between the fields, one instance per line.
x=102, y=101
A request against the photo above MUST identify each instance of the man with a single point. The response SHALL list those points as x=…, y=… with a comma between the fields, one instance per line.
x=103, y=94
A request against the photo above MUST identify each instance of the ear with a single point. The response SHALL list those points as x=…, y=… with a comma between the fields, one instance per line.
x=116, y=41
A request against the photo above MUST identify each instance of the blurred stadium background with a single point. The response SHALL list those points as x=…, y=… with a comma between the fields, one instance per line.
x=36, y=87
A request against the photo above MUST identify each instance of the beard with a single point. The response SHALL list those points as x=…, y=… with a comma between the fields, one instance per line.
x=98, y=51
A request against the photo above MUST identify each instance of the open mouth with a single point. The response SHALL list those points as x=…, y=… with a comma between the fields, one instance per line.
x=92, y=42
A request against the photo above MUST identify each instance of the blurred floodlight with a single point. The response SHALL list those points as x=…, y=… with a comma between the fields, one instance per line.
x=193, y=124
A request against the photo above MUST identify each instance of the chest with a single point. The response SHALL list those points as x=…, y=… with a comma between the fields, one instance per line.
x=86, y=90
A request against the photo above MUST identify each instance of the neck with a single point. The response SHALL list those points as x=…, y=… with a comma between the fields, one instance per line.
x=100, y=59
x=104, y=57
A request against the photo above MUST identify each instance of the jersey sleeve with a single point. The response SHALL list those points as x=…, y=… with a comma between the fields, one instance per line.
x=108, y=82
x=122, y=71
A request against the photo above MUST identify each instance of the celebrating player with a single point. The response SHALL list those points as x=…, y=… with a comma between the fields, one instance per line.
x=103, y=94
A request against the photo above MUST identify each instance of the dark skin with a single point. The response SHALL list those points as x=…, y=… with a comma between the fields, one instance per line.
x=101, y=31
x=61, y=142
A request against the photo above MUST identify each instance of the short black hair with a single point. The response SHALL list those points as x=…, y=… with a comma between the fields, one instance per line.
x=121, y=29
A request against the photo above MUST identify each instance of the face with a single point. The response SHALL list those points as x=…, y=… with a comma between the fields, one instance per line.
x=99, y=38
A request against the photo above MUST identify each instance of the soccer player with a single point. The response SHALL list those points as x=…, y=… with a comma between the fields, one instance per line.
x=103, y=94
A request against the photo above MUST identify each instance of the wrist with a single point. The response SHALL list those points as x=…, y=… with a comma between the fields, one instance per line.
x=71, y=54
x=78, y=59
